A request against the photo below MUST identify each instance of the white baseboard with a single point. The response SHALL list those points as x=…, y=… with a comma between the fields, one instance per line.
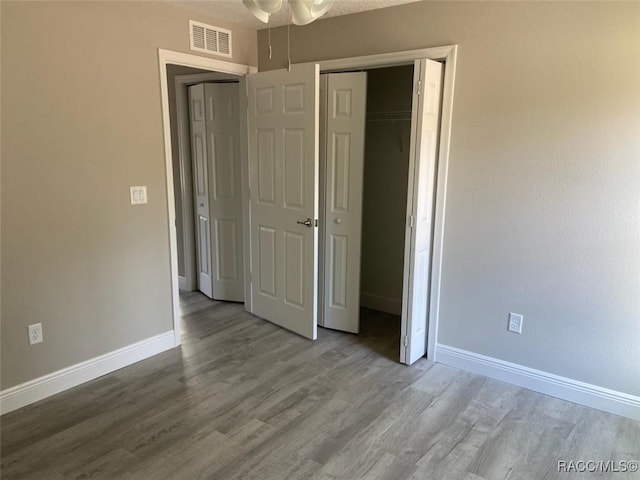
x=382, y=304
x=182, y=283
x=56, y=382
x=554, y=385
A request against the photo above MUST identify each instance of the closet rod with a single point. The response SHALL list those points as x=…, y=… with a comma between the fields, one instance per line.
x=385, y=116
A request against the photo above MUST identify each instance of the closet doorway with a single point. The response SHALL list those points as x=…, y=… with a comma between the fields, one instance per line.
x=206, y=145
x=214, y=121
x=364, y=196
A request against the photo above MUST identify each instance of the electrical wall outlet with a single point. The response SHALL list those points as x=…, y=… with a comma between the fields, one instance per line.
x=138, y=195
x=515, y=322
x=35, y=333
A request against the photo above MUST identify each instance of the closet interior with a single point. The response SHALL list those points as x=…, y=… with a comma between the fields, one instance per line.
x=386, y=170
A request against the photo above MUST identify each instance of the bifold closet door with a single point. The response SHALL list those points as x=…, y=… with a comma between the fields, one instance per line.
x=344, y=108
x=200, y=188
x=215, y=152
x=422, y=185
x=225, y=190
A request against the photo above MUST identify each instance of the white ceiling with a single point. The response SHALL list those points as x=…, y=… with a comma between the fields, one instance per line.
x=234, y=10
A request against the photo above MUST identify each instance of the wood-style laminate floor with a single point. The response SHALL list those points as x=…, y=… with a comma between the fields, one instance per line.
x=244, y=399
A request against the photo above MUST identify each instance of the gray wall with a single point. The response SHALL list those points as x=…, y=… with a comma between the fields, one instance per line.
x=386, y=168
x=543, y=204
x=81, y=122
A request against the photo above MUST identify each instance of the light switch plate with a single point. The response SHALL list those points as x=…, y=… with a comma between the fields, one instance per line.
x=138, y=195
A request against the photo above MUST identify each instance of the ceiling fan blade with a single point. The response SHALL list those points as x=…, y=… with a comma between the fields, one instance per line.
x=256, y=10
x=320, y=7
x=300, y=12
x=269, y=6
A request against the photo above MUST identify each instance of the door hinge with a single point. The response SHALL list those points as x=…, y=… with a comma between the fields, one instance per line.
x=406, y=341
x=315, y=222
x=419, y=87
x=411, y=221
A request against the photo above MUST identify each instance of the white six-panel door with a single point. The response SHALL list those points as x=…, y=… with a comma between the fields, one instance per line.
x=422, y=175
x=344, y=109
x=201, y=188
x=225, y=190
x=282, y=123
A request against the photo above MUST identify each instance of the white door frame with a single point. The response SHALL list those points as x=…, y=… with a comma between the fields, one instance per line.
x=166, y=57
x=446, y=54
x=182, y=82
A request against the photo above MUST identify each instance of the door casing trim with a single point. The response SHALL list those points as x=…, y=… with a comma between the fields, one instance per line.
x=166, y=57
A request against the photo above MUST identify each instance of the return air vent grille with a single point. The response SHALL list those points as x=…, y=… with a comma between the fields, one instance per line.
x=206, y=38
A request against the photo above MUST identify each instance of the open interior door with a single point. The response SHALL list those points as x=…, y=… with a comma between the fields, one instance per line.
x=422, y=174
x=344, y=98
x=282, y=122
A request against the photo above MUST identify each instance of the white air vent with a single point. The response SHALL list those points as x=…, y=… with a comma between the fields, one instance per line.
x=206, y=38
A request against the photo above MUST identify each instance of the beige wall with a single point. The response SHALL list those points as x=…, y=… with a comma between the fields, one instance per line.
x=81, y=122
x=543, y=204
x=386, y=169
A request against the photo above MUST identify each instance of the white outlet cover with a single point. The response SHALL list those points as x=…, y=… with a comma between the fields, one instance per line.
x=138, y=194
x=35, y=333
x=515, y=322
